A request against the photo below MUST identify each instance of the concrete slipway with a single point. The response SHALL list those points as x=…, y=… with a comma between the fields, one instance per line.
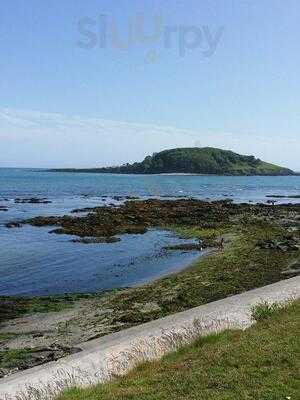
x=117, y=353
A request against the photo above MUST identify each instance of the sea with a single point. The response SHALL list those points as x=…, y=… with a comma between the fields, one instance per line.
x=34, y=262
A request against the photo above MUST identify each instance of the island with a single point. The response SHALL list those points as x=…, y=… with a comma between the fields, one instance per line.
x=193, y=160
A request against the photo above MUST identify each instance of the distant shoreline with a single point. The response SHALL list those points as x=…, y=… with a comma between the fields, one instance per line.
x=100, y=171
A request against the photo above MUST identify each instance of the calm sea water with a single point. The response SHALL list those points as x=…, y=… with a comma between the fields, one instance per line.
x=33, y=262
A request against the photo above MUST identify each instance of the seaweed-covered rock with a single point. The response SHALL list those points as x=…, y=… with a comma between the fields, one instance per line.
x=97, y=240
x=28, y=358
x=32, y=200
x=185, y=247
x=136, y=216
x=13, y=225
x=289, y=243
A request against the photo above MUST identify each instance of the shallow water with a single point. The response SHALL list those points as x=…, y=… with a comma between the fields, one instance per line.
x=33, y=262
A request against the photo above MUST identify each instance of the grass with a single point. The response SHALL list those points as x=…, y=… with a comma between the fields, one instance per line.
x=266, y=310
x=259, y=363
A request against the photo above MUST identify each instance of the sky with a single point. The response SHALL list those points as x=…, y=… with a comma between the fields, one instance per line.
x=101, y=83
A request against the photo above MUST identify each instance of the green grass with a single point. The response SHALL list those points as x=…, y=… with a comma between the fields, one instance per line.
x=266, y=310
x=261, y=363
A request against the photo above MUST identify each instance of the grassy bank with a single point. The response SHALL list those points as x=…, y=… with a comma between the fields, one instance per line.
x=259, y=363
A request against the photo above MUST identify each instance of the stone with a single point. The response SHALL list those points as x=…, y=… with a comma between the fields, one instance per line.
x=13, y=225
x=96, y=240
x=293, y=268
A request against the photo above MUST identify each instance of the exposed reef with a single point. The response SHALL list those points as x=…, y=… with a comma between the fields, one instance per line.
x=96, y=240
x=138, y=216
x=32, y=200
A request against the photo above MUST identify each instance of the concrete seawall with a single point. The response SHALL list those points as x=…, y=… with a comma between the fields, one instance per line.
x=118, y=352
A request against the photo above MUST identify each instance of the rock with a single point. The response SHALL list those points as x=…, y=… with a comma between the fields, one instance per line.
x=292, y=269
x=266, y=244
x=97, y=240
x=38, y=334
x=38, y=356
x=118, y=198
x=81, y=210
x=272, y=202
x=185, y=246
x=282, y=247
x=13, y=225
x=136, y=230
x=291, y=242
x=3, y=208
x=32, y=200
x=58, y=231
x=279, y=196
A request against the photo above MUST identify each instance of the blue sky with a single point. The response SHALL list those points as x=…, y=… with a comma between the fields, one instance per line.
x=62, y=104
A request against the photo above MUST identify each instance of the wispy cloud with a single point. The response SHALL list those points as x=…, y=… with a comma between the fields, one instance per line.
x=35, y=139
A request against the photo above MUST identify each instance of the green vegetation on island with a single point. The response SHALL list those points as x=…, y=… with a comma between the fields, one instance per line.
x=194, y=160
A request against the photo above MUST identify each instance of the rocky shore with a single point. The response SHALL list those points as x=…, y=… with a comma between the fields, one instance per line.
x=252, y=245
x=136, y=216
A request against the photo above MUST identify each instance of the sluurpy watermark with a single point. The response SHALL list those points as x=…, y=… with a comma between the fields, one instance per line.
x=104, y=32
